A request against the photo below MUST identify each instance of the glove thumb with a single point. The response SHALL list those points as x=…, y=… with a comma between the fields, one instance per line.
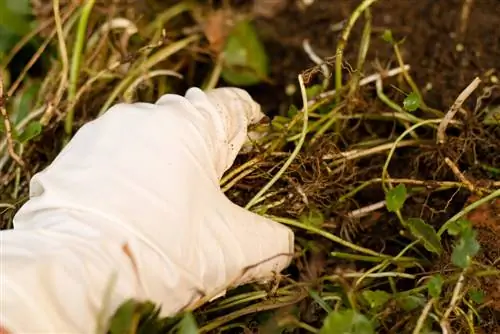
x=256, y=248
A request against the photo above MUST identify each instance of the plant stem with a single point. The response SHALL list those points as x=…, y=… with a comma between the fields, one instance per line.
x=363, y=50
x=76, y=59
x=329, y=236
x=423, y=316
x=395, y=144
x=468, y=209
x=343, y=42
x=295, y=151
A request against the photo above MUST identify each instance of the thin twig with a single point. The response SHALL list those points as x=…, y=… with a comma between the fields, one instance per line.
x=358, y=213
x=36, y=56
x=363, y=82
x=19, y=127
x=29, y=65
x=318, y=61
x=358, y=153
x=23, y=41
x=459, y=174
x=8, y=128
x=65, y=64
x=464, y=17
x=454, y=109
x=423, y=316
x=454, y=299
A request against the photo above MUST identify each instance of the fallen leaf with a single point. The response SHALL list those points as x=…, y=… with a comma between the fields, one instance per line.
x=216, y=27
x=245, y=60
x=269, y=8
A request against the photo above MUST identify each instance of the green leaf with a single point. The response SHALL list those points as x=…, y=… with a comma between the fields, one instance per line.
x=24, y=101
x=412, y=302
x=458, y=226
x=13, y=18
x=279, y=122
x=435, y=286
x=32, y=130
x=465, y=249
x=376, y=299
x=477, y=296
x=313, y=217
x=292, y=111
x=492, y=116
x=346, y=322
x=317, y=298
x=22, y=7
x=245, y=59
x=7, y=41
x=395, y=198
x=313, y=91
x=426, y=234
x=188, y=324
x=125, y=318
x=411, y=102
x=387, y=36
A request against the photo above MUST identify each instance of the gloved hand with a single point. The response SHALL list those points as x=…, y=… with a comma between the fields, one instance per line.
x=131, y=208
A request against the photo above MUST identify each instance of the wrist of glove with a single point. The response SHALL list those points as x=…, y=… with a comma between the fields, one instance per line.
x=132, y=208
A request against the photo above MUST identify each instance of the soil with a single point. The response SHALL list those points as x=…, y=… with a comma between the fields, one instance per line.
x=445, y=53
x=432, y=31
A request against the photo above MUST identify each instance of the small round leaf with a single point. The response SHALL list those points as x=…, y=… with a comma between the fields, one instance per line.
x=395, y=198
x=411, y=102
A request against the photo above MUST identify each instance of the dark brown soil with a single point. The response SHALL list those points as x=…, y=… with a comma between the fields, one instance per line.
x=445, y=54
x=432, y=31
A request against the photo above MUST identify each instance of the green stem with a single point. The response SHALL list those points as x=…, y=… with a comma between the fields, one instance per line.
x=395, y=144
x=294, y=153
x=356, y=190
x=329, y=236
x=412, y=84
x=343, y=41
x=215, y=74
x=393, y=105
x=146, y=66
x=76, y=59
x=468, y=209
x=331, y=120
x=363, y=50
x=367, y=258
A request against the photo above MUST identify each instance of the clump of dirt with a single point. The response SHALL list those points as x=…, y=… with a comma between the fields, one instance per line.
x=486, y=221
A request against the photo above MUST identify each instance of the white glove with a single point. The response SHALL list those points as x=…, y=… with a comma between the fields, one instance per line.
x=136, y=194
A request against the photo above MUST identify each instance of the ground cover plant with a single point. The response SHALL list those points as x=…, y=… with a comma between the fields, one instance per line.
x=382, y=151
